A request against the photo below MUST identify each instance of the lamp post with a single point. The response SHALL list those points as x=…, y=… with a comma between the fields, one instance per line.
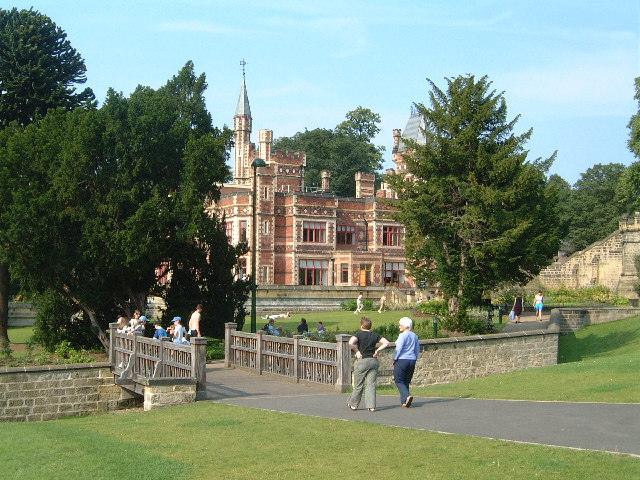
x=258, y=162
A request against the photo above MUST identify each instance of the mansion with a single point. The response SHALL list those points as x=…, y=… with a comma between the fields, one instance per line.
x=310, y=236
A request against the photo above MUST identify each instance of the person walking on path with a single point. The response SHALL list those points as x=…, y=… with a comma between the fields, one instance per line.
x=517, y=308
x=383, y=300
x=538, y=304
x=404, y=360
x=194, y=322
x=359, y=304
x=365, y=369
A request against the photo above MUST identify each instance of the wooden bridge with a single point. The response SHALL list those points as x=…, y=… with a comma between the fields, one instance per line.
x=163, y=371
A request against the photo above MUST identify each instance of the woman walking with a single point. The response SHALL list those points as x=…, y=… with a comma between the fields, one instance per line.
x=365, y=370
x=404, y=360
x=517, y=308
x=538, y=304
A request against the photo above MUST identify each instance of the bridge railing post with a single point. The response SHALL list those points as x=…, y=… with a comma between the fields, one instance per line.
x=162, y=353
x=199, y=361
x=113, y=327
x=259, y=351
x=343, y=357
x=296, y=362
x=135, y=370
x=229, y=328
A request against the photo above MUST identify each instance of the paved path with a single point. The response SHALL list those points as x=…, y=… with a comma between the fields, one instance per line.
x=593, y=426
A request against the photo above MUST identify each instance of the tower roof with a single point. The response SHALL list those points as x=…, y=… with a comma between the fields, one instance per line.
x=414, y=130
x=243, y=101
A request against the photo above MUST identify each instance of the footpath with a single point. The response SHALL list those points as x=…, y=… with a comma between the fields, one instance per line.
x=591, y=426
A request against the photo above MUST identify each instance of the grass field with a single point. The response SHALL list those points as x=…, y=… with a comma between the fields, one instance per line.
x=20, y=334
x=207, y=440
x=599, y=363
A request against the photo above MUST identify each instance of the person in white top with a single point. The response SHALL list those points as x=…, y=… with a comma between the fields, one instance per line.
x=179, y=332
x=194, y=322
x=359, y=304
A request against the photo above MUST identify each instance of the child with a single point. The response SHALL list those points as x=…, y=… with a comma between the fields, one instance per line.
x=160, y=332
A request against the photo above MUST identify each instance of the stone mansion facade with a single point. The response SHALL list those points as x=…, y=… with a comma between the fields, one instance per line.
x=309, y=236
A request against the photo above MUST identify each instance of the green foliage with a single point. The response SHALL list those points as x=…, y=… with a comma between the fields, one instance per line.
x=351, y=305
x=215, y=349
x=102, y=198
x=433, y=307
x=343, y=151
x=634, y=124
x=477, y=212
x=65, y=351
x=38, y=68
x=463, y=322
x=5, y=350
x=596, y=295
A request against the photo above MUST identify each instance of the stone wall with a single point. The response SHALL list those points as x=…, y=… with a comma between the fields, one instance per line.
x=21, y=314
x=47, y=392
x=571, y=319
x=446, y=360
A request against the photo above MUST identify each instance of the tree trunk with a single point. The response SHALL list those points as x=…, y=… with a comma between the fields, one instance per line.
x=4, y=303
x=92, y=318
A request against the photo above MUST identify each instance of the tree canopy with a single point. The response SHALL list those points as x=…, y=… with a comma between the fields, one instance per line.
x=478, y=214
x=39, y=69
x=102, y=198
x=343, y=151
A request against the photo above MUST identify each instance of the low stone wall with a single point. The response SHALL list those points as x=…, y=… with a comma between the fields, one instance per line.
x=571, y=319
x=21, y=314
x=47, y=392
x=164, y=392
x=446, y=360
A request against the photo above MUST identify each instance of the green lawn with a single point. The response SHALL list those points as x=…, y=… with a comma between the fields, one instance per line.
x=336, y=321
x=600, y=363
x=20, y=334
x=207, y=440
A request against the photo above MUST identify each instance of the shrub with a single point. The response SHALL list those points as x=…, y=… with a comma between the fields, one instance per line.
x=350, y=305
x=465, y=323
x=433, y=307
x=215, y=349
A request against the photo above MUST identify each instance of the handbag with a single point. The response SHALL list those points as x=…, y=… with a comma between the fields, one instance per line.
x=512, y=315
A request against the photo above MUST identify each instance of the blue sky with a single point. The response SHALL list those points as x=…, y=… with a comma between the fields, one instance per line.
x=567, y=67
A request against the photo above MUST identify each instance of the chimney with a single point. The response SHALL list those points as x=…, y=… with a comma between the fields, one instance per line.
x=265, y=139
x=396, y=139
x=326, y=180
x=365, y=185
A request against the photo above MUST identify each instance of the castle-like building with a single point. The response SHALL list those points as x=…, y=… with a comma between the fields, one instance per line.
x=310, y=236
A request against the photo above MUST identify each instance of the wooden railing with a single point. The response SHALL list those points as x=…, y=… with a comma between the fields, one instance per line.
x=295, y=358
x=133, y=356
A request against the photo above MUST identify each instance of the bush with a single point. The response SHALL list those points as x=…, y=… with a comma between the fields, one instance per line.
x=71, y=355
x=467, y=324
x=433, y=307
x=215, y=349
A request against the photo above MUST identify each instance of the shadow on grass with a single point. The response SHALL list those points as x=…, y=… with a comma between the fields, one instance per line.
x=574, y=349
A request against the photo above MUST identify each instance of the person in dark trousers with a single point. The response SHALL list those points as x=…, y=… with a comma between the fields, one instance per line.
x=404, y=360
x=517, y=308
x=303, y=327
x=365, y=369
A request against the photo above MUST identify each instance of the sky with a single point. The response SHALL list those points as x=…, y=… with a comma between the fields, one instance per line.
x=565, y=66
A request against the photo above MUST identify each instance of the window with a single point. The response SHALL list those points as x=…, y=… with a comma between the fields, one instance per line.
x=391, y=236
x=344, y=272
x=393, y=273
x=228, y=230
x=242, y=268
x=264, y=275
x=312, y=272
x=243, y=231
x=266, y=226
x=265, y=192
x=345, y=234
x=314, y=232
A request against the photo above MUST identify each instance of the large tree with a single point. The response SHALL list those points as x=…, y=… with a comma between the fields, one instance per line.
x=104, y=197
x=38, y=70
x=478, y=214
x=343, y=151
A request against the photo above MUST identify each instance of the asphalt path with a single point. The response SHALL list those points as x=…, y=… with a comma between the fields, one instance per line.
x=590, y=426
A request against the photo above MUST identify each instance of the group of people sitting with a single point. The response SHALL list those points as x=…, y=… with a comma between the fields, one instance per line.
x=177, y=331
x=270, y=327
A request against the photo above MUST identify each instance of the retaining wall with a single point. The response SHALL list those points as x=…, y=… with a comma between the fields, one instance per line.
x=53, y=391
x=572, y=319
x=446, y=360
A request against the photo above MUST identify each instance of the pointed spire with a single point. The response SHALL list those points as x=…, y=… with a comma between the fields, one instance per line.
x=243, y=100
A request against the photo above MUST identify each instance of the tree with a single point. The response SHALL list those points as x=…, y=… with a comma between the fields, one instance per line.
x=38, y=68
x=628, y=189
x=477, y=213
x=594, y=211
x=104, y=197
x=38, y=71
x=343, y=151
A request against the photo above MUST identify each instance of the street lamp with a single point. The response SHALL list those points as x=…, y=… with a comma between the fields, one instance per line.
x=258, y=162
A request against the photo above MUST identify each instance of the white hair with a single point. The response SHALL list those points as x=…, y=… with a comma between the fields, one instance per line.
x=406, y=322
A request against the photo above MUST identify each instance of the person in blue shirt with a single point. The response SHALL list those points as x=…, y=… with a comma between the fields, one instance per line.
x=160, y=332
x=404, y=360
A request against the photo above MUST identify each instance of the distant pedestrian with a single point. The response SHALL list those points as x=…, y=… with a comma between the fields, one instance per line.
x=538, y=304
x=365, y=369
x=404, y=360
x=383, y=300
x=303, y=327
x=179, y=332
x=359, y=304
x=517, y=308
x=194, y=322
x=160, y=332
x=321, y=328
